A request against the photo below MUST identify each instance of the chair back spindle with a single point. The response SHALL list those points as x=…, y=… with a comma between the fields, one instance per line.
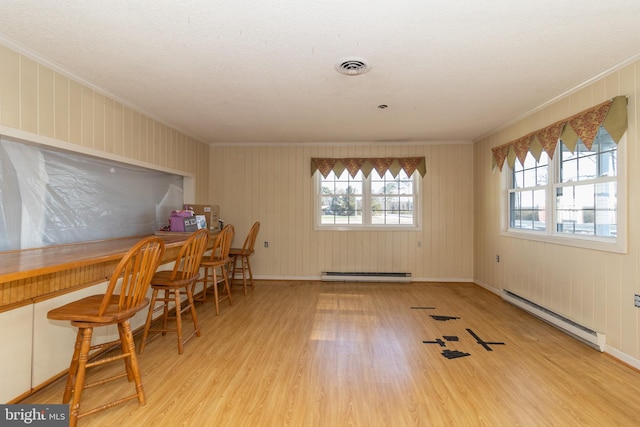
x=250, y=241
x=188, y=261
x=134, y=272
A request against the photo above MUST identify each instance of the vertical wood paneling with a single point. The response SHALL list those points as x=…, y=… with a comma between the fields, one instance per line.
x=180, y=151
x=305, y=205
x=184, y=151
x=61, y=103
x=592, y=287
x=628, y=83
x=99, y=121
x=163, y=137
x=118, y=129
x=87, y=118
x=144, y=138
x=275, y=226
x=9, y=88
x=46, y=90
x=273, y=183
x=75, y=112
x=128, y=145
x=28, y=95
x=613, y=302
x=109, y=126
x=297, y=212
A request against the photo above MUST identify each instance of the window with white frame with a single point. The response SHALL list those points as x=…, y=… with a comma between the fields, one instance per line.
x=374, y=201
x=566, y=183
x=573, y=198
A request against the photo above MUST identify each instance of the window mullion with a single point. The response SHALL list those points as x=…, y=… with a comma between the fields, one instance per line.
x=366, y=200
x=551, y=199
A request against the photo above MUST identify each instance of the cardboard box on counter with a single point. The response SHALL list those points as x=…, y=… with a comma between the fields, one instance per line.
x=211, y=213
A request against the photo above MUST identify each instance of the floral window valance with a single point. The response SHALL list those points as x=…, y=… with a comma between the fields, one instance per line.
x=366, y=165
x=612, y=115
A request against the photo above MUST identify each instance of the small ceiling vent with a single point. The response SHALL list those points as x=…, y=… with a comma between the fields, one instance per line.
x=352, y=66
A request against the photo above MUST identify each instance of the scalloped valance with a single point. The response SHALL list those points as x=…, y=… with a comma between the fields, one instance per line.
x=366, y=165
x=612, y=115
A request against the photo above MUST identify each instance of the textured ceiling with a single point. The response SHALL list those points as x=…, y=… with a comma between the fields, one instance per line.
x=263, y=71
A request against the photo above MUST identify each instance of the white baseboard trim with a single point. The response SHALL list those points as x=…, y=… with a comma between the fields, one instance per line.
x=413, y=279
x=489, y=288
x=623, y=357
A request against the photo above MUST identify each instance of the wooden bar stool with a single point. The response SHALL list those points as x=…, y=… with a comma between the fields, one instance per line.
x=134, y=272
x=173, y=284
x=218, y=260
x=243, y=255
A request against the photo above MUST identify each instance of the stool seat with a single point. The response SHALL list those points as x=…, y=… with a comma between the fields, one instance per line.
x=163, y=278
x=83, y=311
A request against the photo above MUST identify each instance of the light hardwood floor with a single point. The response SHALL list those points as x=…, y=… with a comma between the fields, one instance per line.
x=352, y=354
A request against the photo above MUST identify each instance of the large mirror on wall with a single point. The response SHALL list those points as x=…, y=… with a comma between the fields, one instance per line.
x=50, y=197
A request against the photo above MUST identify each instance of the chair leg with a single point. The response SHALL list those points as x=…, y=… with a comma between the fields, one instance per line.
x=147, y=324
x=81, y=371
x=130, y=352
x=125, y=350
x=194, y=315
x=205, y=283
x=227, y=286
x=165, y=311
x=178, y=307
x=232, y=272
x=215, y=292
x=73, y=368
x=244, y=277
x=250, y=272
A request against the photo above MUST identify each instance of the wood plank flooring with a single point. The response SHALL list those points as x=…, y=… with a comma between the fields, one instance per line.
x=352, y=354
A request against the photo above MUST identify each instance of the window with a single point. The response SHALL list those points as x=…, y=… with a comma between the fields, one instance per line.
x=346, y=202
x=575, y=198
x=527, y=197
x=586, y=191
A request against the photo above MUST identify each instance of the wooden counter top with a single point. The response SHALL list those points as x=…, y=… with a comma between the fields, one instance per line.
x=32, y=275
x=16, y=265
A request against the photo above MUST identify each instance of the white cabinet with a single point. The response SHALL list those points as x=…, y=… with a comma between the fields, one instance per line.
x=15, y=352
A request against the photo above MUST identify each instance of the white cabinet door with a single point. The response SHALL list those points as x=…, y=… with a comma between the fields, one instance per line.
x=15, y=352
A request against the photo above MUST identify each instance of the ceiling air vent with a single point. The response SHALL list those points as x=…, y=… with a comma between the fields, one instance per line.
x=352, y=66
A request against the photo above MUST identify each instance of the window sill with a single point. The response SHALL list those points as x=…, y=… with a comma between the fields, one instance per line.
x=367, y=228
x=573, y=241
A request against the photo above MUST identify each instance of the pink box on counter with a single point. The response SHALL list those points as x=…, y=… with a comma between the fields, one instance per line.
x=180, y=219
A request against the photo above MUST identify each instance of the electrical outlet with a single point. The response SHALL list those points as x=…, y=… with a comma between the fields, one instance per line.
x=497, y=258
x=266, y=244
x=636, y=300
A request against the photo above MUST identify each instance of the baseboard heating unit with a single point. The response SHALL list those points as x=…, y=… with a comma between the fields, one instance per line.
x=588, y=336
x=341, y=276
